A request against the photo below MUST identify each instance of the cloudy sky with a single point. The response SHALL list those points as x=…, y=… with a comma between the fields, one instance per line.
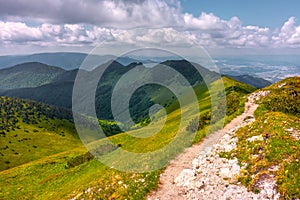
x=229, y=26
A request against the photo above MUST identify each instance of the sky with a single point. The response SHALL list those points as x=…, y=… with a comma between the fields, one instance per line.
x=220, y=27
x=263, y=13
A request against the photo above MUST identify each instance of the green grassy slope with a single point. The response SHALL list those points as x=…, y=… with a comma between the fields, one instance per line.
x=25, y=75
x=31, y=130
x=52, y=177
x=278, y=127
x=253, y=81
x=48, y=178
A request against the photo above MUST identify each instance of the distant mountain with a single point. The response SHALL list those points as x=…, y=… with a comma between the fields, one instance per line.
x=250, y=80
x=188, y=70
x=126, y=60
x=56, y=93
x=59, y=91
x=66, y=76
x=66, y=60
x=26, y=75
x=72, y=60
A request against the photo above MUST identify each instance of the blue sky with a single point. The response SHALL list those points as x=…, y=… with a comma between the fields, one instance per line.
x=267, y=13
x=228, y=26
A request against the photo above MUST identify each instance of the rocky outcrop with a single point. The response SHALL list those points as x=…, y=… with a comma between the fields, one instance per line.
x=212, y=177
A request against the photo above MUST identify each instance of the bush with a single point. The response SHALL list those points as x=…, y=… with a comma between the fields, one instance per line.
x=199, y=123
x=79, y=160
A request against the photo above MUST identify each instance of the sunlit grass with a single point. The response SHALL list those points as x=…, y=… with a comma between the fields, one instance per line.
x=277, y=124
x=50, y=177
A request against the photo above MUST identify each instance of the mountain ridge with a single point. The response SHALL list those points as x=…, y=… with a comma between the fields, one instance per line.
x=56, y=180
x=58, y=92
x=251, y=80
x=30, y=74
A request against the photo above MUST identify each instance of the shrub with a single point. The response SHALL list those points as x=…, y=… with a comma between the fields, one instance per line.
x=79, y=160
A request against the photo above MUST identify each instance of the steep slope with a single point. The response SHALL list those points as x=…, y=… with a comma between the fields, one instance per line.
x=253, y=81
x=31, y=130
x=199, y=173
x=66, y=60
x=261, y=153
x=28, y=75
x=186, y=69
x=68, y=76
x=59, y=91
x=89, y=178
x=270, y=147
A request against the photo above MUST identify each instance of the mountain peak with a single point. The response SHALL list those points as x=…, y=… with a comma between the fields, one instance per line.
x=31, y=74
x=36, y=67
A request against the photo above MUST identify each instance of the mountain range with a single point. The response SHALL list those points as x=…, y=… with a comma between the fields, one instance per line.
x=250, y=80
x=65, y=60
x=271, y=68
x=28, y=75
x=42, y=157
x=54, y=86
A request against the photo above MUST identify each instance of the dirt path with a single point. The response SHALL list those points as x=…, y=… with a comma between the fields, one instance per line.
x=167, y=188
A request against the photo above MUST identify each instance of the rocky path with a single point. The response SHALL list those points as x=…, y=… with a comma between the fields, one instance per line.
x=199, y=172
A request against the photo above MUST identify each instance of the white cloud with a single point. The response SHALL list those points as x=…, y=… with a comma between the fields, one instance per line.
x=18, y=32
x=289, y=35
x=50, y=35
x=158, y=37
x=204, y=22
x=213, y=31
x=117, y=14
x=90, y=22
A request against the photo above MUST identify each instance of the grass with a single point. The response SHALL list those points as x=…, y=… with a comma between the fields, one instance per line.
x=51, y=177
x=32, y=142
x=284, y=97
x=277, y=119
x=278, y=148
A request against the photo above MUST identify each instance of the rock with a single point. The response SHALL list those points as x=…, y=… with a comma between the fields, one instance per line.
x=185, y=177
x=256, y=138
x=200, y=184
x=195, y=163
x=224, y=172
x=217, y=177
x=281, y=85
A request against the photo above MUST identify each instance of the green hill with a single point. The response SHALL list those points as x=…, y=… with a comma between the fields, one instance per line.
x=31, y=130
x=42, y=157
x=253, y=81
x=277, y=147
x=55, y=93
x=58, y=92
x=74, y=172
x=25, y=75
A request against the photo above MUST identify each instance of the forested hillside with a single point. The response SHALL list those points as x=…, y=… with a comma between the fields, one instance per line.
x=26, y=75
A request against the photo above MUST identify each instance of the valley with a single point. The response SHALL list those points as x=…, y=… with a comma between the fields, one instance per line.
x=149, y=100
x=42, y=156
